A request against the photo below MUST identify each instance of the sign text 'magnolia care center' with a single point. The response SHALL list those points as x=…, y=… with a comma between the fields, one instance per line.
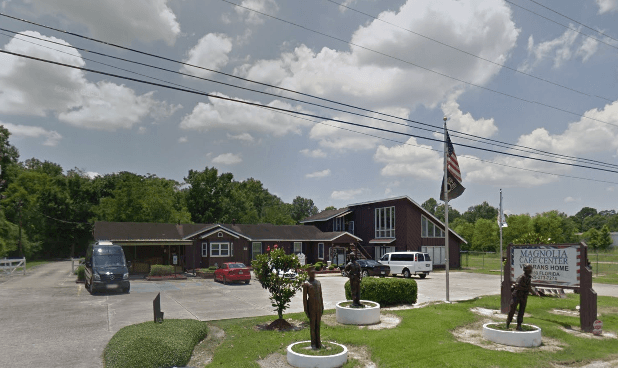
x=554, y=265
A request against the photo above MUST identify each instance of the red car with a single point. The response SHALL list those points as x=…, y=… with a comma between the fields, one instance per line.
x=233, y=271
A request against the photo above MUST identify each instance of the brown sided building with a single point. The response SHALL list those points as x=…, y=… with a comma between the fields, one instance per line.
x=190, y=246
x=389, y=225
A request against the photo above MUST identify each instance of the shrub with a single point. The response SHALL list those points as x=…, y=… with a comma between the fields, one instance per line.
x=212, y=268
x=205, y=270
x=331, y=267
x=81, y=273
x=161, y=270
x=318, y=266
x=281, y=289
x=150, y=345
x=386, y=291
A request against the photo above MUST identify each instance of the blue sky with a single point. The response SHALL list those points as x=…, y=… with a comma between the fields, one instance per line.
x=102, y=124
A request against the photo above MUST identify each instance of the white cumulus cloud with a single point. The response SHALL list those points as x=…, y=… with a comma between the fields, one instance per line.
x=365, y=78
x=210, y=52
x=227, y=159
x=117, y=21
x=465, y=122
x=607, y=6
x=316, y=153
x=52, y=137
x=265, y=6
x=410, y=159
x=318, y=174
x=241, y=118
x=347, y=194
x=30, y=87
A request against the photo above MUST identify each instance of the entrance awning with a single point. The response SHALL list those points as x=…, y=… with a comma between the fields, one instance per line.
x=382, y=241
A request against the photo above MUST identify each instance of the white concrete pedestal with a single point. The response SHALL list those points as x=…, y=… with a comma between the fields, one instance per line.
x=370, y=315
x=526, y=339
x=310, y=361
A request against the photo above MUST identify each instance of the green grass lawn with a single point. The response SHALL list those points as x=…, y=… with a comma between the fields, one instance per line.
x=604, y=265
x=424, y=338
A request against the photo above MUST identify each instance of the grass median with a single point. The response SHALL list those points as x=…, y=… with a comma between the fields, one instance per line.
x=425, y=339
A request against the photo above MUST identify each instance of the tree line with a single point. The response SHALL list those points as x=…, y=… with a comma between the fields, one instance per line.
x=479, y=226
x=57, y=209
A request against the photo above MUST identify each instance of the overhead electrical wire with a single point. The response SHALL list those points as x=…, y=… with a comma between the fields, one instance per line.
x=296, y=112
x=350, y=130
x=466, y=52
x=420, y=66
x=280, y=88
x=496, y=143
x=573, y=20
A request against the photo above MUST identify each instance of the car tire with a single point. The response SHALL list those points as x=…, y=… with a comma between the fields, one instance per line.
x=406, y=274
x=91, y=288
x=422, y=275
x=247, y=282
x=224, y=281
x=127, y=290
x=365, y=273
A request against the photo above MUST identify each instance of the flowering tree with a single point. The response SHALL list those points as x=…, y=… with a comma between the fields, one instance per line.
x=271, y=269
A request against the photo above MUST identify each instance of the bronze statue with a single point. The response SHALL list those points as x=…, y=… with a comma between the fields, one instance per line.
x=353, y=271
x=519, y=295
x=314, y=307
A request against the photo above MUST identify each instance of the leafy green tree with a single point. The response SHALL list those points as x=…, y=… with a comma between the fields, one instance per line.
x=598, y=239
x=431, y=205
x=330, y=208
x=466, y=230
x=453, y=214
x=533, y=238
x=45, y=167
x=208, y=194
x=302, y=208
x=555, y=226
x=480, y=211
x=580, y=217
x=518, y=226
x=269, y=269
x=485, y=236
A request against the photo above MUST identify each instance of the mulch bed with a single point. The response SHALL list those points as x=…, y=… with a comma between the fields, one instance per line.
x=166, y=277
x=282, y=325
x=327, y=271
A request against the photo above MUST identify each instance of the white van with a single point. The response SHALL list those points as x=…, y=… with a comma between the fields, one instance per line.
x=408, y=263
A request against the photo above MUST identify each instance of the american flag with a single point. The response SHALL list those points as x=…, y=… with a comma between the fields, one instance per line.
x=451, y=160
x=453, y=183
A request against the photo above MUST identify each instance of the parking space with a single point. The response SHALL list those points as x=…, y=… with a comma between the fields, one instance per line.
x=47, y=320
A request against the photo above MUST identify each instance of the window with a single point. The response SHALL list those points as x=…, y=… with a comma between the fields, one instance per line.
x=204, y=249
x=220, y=250
x=338, y=224
x=429, y=229
x=385, y=222
x=321, y=250
x=351, y=227
x=220, y=234
x=298, y=247
x=256, y=249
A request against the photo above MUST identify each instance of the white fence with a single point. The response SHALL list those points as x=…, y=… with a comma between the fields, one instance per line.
x=79, y=261
x=8, y=266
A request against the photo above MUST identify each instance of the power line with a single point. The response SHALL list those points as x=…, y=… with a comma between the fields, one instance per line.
x=573, y=20
x=466, y=52
x=461, y=134
x=296, y=112
x=288, y=90
x=419, y=66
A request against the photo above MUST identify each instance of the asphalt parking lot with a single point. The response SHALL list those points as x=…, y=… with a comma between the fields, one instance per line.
x=47, y=320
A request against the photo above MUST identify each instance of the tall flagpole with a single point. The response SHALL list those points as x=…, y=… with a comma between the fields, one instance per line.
x=446, y=249
x=500, y=225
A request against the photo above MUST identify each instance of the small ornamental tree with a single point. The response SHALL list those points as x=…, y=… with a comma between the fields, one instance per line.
x=270, y=269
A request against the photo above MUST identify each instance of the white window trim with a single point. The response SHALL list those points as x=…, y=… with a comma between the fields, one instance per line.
x=229, y=249
x=320, y=244
x=389, y=229
x=301, y=247
x=253, y=249
x=425, y=229
x=204, y=249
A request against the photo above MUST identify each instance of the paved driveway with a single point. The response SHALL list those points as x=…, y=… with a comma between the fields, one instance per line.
x=47, y=320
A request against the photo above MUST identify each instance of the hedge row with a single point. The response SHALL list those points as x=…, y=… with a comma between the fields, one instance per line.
x=386, y=291
x=153, y=345
x=161, y=270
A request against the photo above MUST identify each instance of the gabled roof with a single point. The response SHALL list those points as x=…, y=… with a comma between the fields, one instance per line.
x=326, y=215
x=270, y=232
x=136, y=231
